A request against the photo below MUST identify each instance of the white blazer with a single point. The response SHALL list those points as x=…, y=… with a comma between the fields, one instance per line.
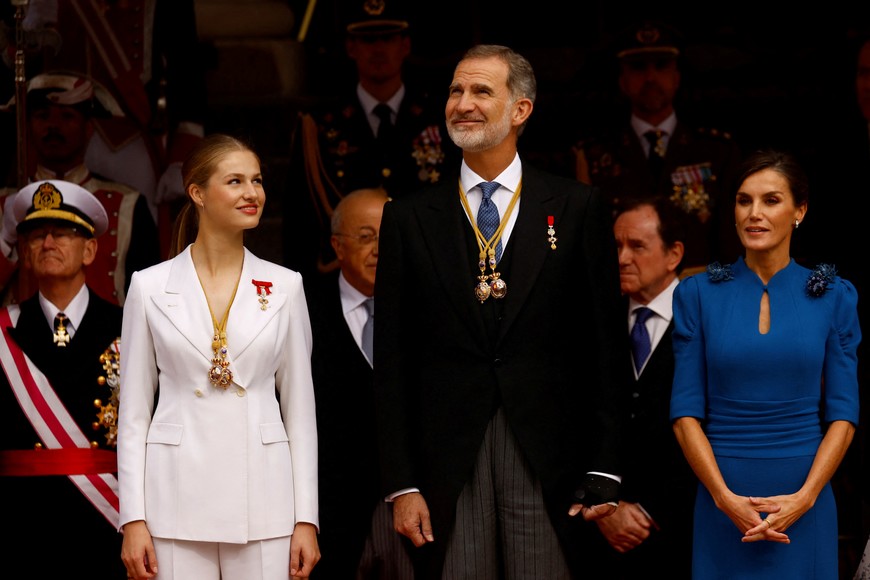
x=210, y=464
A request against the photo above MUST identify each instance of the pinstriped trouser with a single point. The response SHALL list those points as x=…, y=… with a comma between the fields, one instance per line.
x=502, y=529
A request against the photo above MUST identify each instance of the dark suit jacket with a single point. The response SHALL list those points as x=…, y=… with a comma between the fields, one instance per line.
x=51, y=508
x=347, y=446
x=547, y=352
x=656, y=475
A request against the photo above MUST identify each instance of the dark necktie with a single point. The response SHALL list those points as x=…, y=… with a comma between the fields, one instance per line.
x=656, y=156
x=487, y=214
x=640, y=341
x=61, y=336
x=385, y=126
x=368, y=333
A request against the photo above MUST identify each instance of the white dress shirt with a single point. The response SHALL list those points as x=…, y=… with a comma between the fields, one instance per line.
x=354, y=309
x=368, y=103
x=74, y=312
x=509, y=180
x=656, y=325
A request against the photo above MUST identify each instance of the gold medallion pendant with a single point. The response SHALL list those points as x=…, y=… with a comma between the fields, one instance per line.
x=220, y=374
x=497, y=286
x=483, y=289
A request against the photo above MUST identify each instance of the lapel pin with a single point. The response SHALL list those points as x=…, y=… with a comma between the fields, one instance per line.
x=551, y=232
x=263, y=290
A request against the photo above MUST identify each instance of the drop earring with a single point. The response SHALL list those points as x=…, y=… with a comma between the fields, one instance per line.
x=796, y=224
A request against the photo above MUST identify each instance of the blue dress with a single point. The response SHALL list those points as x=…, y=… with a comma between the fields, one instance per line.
x=764, y=401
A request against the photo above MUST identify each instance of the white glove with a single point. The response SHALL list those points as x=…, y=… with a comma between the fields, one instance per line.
x=171, y=185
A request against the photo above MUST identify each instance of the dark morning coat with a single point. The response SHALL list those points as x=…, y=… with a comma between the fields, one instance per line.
x=347, y=444
x=53, y=523
x=549, y=353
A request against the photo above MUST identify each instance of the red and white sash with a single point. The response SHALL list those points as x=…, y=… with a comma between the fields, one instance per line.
x=52, y=422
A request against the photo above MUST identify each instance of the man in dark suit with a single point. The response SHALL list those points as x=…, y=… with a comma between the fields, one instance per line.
x=357, y=538
x=655, y=153
x=382, y=131
x=652, y=527
x=497, y=343
x=58, y=392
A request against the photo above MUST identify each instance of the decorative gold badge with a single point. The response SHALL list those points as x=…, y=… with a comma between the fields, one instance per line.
x=374, y=7
x=61, y=336
x=47, y=196
x=107, y=415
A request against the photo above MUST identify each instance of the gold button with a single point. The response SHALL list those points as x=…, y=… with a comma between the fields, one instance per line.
x=198, y=393
x=240, y=392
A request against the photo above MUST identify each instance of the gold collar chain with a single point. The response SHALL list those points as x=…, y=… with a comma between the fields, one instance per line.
x=489, y=284
x=219, y=374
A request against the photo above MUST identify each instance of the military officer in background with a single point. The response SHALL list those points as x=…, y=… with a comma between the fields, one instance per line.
x=61, y=110
x=58, y=394
x=383, y=131
x=147, y=54
x=654, y=153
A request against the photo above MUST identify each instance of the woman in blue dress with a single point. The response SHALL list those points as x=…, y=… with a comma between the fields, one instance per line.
x=765, y=395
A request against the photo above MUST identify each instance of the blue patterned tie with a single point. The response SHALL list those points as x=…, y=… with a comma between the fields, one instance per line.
x=487, y=214
x=368, y=333
x=640, y=342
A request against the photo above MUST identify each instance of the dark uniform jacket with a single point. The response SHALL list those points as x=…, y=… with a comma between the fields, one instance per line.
x=336, y=152
x=50, y=524
x=698, y=175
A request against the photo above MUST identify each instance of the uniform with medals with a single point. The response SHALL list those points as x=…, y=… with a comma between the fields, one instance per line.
x=696, y=167
x=342, y=145
x=58, y=395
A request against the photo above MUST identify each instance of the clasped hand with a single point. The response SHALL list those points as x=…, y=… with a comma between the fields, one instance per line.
x=764, y=518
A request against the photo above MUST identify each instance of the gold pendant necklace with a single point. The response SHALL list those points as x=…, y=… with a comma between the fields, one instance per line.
x=489, y=284
x=220, y=374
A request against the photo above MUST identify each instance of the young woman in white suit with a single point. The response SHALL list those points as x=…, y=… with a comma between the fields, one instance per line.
x=217, y=444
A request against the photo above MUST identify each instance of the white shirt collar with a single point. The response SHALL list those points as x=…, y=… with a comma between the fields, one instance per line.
x=668, y=125
x=508, y=179
x=351, y=298
x=368, y=103
x=662, y=305
x=641, y=127
x=74, y=311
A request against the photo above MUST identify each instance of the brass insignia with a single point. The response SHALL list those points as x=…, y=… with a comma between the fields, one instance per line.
x=648, y=34
x=47, y=197
x=374, y=7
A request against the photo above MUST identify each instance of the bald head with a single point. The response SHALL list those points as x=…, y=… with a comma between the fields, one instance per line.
x=356, y=224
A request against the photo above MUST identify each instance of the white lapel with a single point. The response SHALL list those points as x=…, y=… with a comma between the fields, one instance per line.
x=184, y=305
x=247, y=317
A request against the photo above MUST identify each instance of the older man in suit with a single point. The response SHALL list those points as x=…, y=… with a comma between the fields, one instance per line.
x=497, y=344
x=58, y=402
x=357, y=537
x=652, y=527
